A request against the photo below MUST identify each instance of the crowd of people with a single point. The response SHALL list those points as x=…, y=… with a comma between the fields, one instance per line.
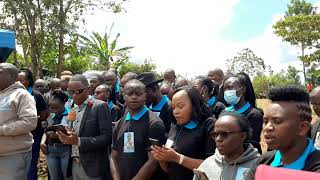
x=141, y=126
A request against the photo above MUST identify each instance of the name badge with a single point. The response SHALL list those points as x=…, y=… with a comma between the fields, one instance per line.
x=128, y=142
x=317, y=141
x=242, y=173
x=169, y=143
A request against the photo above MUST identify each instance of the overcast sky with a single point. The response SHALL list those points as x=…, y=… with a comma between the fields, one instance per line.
x=194, y=36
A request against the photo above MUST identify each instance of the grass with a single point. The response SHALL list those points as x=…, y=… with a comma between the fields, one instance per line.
x=262, y=103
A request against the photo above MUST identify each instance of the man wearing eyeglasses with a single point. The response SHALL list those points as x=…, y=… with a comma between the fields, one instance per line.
x=90, y=133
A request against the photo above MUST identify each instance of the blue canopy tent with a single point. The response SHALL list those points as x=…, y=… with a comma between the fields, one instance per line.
x=7, y=44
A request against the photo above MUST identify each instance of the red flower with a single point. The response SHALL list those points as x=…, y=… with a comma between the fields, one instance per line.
x=90, y=104
x=72, y=115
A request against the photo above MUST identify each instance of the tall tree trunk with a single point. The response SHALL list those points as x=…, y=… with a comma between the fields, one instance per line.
x=41, y=71
x=25, y=55
x=33, y=52
x=60, y=57
x=15, y=62
x=41, y=41
x=20, y=36
x=303, y=65
x=31, y=26
x=61, y=39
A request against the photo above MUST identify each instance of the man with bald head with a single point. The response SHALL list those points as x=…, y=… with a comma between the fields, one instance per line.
x=110, y=78
x=64, y=81
x=165, y=89
x=41, y=86
x=18, y=118
x=96, y=80
x=66, y=73
x=127, y=77
x=216, y=75
x=54, y=84
x=181, y=82
x=102, y=92
x=170, y=77
x=124, y=79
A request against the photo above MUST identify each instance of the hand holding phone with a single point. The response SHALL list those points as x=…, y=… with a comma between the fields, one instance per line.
x=155, y=142
x=59, y=127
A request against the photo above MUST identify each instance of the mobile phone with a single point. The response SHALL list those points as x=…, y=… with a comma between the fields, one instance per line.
x=59, y=127
x=155, y=142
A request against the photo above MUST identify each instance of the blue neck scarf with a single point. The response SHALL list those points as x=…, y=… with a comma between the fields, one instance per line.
x=191, y=125
x=160, y=105
x=297, y=164
x=138, y=115
x=110, y=104
x=29, y=89
x=241, y=110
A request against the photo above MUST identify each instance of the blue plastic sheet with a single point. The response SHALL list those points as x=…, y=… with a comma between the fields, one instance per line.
x=7, y=39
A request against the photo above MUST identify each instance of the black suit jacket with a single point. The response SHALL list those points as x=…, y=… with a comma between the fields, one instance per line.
x=95, y=137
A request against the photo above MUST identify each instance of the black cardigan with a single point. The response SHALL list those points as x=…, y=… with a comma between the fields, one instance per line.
x=312, y=163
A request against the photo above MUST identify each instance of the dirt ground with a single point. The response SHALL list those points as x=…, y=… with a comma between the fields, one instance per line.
x=42, y=167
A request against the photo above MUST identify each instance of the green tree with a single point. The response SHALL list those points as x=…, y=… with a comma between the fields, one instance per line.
x=25, y=17
x=66, y=15
x=292, y=74
x=299, y=7
x=138, y=68
x=105, y=49
x=20, y=60
x=280, y=79
x=37, y=21
x=262, y=83
x=300, y=27
x=77, y=59
x=313, y=74
x=246, y=61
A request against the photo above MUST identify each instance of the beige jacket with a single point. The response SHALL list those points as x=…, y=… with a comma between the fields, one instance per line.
x=18, y=117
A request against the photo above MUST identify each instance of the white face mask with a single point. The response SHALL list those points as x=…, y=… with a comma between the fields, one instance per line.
x=230, y=96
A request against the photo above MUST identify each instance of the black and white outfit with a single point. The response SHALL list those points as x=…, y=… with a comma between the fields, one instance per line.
x=131, y=140
x=192, y=140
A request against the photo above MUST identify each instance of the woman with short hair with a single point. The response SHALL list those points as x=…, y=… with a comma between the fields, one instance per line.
x=234, y=155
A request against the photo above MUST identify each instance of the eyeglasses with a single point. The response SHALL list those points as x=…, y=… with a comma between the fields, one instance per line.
x=223, y=134
x=196, y=86
x=76, y=92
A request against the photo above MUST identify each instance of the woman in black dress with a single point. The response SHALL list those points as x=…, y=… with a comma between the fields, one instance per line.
x=189, y=141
